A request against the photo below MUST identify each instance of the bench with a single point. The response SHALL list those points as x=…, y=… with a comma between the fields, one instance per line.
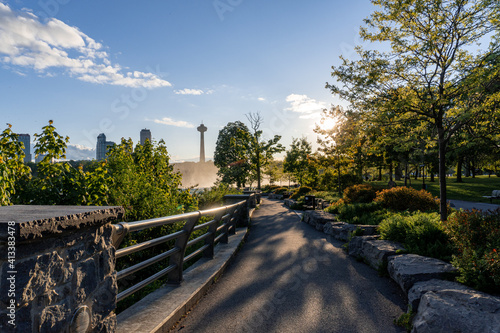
x=494, y=195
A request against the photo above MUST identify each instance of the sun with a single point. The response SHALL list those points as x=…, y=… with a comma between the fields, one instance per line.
x=327, y=124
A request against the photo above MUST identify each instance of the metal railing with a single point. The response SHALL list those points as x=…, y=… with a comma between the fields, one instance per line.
x=219, y=229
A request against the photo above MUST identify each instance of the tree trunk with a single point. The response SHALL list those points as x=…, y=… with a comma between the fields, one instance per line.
x=406, y=174
x=380, y=173
x=258, y=170
x=459, y=169
x=442, y=175
x=398, y=172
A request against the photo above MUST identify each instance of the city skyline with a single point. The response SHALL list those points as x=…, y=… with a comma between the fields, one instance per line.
x=83, y=65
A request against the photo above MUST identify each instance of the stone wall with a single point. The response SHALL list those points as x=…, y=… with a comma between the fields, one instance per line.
x=64, y=275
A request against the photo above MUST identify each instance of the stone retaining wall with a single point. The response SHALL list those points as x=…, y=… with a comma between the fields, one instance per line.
x=63, y=274
x=440, y=305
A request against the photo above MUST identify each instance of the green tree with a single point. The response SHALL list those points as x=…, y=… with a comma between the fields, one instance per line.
x=231, y=156
x=427, y=75
x=260, y=151
x=298, y=161
x=12, y=167
x=144, y=183
x=56, y=181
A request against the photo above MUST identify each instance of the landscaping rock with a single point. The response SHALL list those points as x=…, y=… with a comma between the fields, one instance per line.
x=356, y=244
x=289, y=202
x=376, y=252
x=407, y=269
x=314, y=217
x=457, y=311
x=420, y=288
x=342, y=230
x=329, y=227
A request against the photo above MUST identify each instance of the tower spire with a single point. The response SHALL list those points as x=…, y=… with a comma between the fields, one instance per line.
x=202, y=129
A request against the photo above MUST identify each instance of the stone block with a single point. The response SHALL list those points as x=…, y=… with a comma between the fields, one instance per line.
x=420, y=288
x=376, y=252
x=343, y=231
x=314, y=217
x=457, y=311
x=356, y=245
x=407, y=269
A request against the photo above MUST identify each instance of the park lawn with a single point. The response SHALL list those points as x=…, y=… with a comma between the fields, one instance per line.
x=472, y=189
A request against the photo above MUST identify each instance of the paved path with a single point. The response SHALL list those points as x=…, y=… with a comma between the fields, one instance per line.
x=473, y=205
x=288, y=277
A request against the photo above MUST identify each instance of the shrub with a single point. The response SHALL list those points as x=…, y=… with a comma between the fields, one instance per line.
x=214, y=196
x=407, y=198
x=420, y=233
x=361, y=193
x=301, y=191
x=327, y=196
x=270, y=188
x=477, y=239
x=362, y=213
x=280, y=190
x=334, y=207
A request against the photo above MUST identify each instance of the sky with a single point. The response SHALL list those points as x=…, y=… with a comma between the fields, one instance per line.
x=116, y=67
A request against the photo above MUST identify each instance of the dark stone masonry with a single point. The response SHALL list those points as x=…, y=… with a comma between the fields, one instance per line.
x=64, y=275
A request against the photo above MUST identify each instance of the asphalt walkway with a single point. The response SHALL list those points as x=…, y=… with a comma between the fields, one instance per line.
x=468, y=205
x=289, y=277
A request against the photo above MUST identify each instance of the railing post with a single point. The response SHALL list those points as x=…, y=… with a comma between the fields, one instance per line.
x=175, y=276
x=210, y=240
x=225, y=238
x=233, y=219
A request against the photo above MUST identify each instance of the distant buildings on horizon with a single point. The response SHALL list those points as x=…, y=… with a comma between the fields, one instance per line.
x=145, y=135
x=103, y=146
x=25, y=139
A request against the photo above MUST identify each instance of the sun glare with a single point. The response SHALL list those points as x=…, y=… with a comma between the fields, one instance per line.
x=327, y=124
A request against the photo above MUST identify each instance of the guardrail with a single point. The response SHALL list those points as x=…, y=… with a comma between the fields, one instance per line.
x=218, y=230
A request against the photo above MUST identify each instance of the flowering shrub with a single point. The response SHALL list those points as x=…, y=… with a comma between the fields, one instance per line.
x=407, y=198
x=477, y=239
x=420, y=233
x=361, y=193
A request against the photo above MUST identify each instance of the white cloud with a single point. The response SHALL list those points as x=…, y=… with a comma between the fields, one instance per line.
x=304, y=104
x=188, y=91
x=170, y=122
x=27, y=42
x=262, y=99
x=79, y=152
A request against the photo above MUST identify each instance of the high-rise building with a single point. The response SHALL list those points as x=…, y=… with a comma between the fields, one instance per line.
x=25, y=139
x=102, y=147
x=145, y=135
x=202, y=129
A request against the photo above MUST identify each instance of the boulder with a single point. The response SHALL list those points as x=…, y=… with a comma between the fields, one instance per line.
x=407, y=269
x=314, y=217
x=457, y=311
x=342, y=230
x=356, y=245
x=421, y=288
x=289, y=202
x=377, y=252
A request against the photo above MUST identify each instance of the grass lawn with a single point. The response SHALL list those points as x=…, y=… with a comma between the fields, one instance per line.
x=472, y=189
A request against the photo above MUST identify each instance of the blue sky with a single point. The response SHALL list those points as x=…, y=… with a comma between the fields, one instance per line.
x=116, y=67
